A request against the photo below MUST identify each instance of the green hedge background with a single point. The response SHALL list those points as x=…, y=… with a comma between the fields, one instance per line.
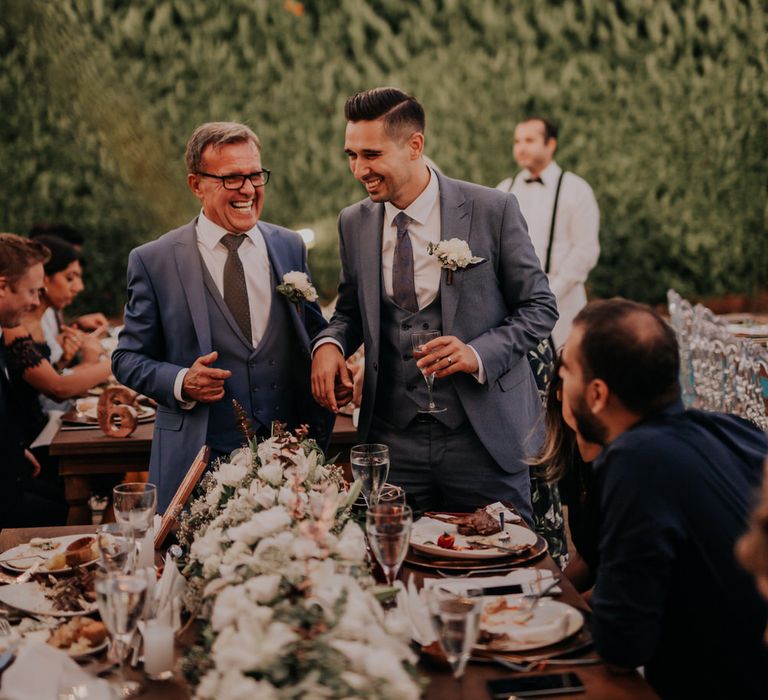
x=663, y=107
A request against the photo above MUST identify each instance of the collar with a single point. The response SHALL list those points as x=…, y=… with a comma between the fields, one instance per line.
x=421, y=207
x=210, y=234
x=548, y=176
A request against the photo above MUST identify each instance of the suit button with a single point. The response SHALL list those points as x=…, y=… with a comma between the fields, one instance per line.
x=406, y=326
x=252, y=363
x=410, y=387
x=258, y=410
x=271, y=363
x=425, y=325
x=277, y=408
x=274, y=385
x=256, y=388
x=407, y=356
x=375, y=366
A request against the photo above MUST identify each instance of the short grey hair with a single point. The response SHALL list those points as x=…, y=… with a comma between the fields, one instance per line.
x=216, y=134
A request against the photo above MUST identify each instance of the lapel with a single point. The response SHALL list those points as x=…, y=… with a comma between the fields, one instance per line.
x=189, y=267
x=280, y=260
x=455, y=217
x=369, y=264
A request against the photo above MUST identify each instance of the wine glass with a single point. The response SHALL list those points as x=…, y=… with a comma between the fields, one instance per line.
x=456, y=620
x=370, y=465
x=135, y=505
x=115, y=547
x=418, y=341
x=389, y=531
x=120, y=599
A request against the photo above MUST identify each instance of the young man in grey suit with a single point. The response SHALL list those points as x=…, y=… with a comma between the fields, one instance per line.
x=204, y=323
x=489, y=315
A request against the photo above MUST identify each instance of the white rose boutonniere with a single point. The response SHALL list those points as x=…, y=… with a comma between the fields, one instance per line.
x=297, y=287
x=453, y=254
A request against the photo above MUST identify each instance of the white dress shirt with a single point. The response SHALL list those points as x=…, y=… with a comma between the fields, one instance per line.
x=258, y=277
x=576, y=247
x=50, y=327
x=424, y=228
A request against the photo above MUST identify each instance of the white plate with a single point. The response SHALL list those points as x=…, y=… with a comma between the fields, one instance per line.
x=23, y=556
x=144, y=413
x=552, y=622
x=427, y=530
x=30, y=597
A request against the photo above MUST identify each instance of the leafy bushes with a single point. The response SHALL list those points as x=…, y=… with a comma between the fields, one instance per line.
x=662, y=108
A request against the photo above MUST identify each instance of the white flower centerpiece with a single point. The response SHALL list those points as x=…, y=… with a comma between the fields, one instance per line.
x=297, y=287
x=278, y=576
x=453, y=254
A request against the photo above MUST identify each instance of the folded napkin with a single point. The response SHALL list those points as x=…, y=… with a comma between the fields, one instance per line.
x=23, y=680
x=531, y=580
x=412, y=604
x=166, y=595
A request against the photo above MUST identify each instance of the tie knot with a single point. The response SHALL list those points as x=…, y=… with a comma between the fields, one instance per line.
x=401, y=221
x=232, y=241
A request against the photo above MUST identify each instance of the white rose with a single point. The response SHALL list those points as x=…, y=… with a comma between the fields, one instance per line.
x=242, y=457
x=208, y=686
x=272, y=473
x=211, y=566
x=260, y=525
x=235, y=651
x=267, y=450
x=232, y=605
x=229, y=474
x=351, y=544
x=277, y=637
x=207, y=545
x=235, y=686
x=304, y=548
x=297, y=279
x=213, y=496
x=261, y=495
x=263, y=589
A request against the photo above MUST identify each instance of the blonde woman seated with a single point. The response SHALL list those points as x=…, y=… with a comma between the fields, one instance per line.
x=28, y=354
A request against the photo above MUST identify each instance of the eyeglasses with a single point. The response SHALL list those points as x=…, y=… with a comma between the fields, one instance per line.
x=236, y=182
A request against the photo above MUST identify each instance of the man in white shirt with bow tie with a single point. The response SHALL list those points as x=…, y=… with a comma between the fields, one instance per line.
x=569, y=250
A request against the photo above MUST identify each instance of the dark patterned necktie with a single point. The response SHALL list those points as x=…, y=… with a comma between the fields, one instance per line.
x=235, y=290
x=403, y=288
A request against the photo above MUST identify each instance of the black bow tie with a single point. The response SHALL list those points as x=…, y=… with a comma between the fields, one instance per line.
x=529, y=180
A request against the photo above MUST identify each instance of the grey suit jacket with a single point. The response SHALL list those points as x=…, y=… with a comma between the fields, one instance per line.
x=503, y=307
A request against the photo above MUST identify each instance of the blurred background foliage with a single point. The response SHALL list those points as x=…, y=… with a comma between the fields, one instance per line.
x=663, y=106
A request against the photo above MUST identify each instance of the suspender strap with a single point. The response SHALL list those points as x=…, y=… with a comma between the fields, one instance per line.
x=552, y=225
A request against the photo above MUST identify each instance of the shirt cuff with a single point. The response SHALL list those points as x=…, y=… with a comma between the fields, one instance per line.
x=177, y=386
x=325, y=341
x=480, y=374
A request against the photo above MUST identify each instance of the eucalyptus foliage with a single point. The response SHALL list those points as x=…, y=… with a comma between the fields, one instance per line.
x=662, y=105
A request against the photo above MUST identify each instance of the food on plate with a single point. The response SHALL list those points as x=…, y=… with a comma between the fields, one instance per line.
x=478, y=523
x=43, y=543
x=446, y=541
x=78, y=635
x=74, y=593
x=80, y=551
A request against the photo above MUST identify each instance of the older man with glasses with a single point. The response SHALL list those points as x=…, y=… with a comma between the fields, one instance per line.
x=205, y=323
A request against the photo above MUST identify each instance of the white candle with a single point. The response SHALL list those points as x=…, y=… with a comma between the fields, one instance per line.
x=158, y=649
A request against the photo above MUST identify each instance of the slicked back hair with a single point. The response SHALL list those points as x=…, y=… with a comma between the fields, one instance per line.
x=216, y=134
x=633, y=350
x=18, y=254
x=401, y=113
x=550, y=128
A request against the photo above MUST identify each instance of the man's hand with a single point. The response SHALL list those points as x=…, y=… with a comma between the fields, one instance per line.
x=328, y=365
x=203, y=382
x=446, y=355
x=90, y=322
x=33, y=461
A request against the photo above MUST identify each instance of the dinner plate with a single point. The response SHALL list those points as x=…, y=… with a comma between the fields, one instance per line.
x=552, y=621
x=426, y=531
x=427, y=561
x=89, y=416
x=23, y=556
x=143, y=413
x=30, y=597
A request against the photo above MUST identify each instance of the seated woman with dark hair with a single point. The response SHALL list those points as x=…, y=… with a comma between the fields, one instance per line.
x=28, y=354
x=566, y=459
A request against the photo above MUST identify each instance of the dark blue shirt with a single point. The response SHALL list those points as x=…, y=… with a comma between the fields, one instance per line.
x=676, y=492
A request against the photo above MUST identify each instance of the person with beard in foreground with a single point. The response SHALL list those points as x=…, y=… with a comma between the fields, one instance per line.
x=675, y=492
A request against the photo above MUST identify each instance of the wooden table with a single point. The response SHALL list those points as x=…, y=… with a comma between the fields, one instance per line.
x=85, y=453
x=600, y=683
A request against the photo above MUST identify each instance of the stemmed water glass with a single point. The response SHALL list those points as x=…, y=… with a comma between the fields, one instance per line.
x=418, y=341
x=370, y=465
x=120, y=599
x=116, y=548
x=388, y=526
x=135, y=504
x=456, y=620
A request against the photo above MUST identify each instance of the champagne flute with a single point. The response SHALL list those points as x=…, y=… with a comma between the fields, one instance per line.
x=418, y=341
x=370, y=465
x=456, y=620
x=120, y=599
x=115, y=548
x=389, y=531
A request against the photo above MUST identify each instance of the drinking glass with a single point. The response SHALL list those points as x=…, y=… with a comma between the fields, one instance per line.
x=135, y=505
x=389, y=531
x=370, y=465
x=120, y=599
x=418, y=341
x=116, y=547
x=456, y=620
x=391, y=494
